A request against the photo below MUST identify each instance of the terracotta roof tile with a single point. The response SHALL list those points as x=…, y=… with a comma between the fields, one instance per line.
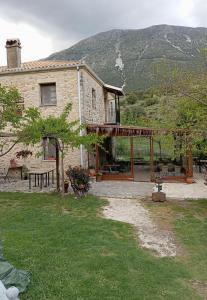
x=41, y=65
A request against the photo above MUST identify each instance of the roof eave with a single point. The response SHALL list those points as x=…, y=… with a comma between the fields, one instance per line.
x=37, y=70
x=108, y=87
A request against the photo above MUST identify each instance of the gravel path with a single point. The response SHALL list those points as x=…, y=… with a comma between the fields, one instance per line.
x=131, y=211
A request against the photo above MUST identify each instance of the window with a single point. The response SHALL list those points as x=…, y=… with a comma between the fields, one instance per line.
x=49, y=149
x=48, y=94
x=93, y=98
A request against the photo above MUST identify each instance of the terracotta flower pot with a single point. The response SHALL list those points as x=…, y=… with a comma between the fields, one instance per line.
x=66, y=186
x=92, y=172
x=98, y=178
x=189, y=180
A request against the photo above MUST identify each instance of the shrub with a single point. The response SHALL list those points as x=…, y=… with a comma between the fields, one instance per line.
x=79, y=179
x=23, y=154
x=151, y=101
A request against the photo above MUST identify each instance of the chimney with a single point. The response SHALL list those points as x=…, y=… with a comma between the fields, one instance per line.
x=13, y=47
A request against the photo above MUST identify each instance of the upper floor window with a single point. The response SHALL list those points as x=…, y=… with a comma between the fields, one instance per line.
x=93, y=98
x=49, y=148
x=48, y=94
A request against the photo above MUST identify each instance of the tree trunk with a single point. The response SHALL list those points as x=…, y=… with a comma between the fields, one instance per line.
x=57, y=167
x=160, y=149
x=62, y=171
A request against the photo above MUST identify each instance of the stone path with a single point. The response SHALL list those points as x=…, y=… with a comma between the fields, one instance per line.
x=121, y=189
x=131, y=211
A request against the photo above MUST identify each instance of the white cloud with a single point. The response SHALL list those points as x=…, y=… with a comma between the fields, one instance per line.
x=35, y=44
x=47, y=26
x=186, y=12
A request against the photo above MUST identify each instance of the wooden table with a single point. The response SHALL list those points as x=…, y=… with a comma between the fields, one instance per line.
x=41, y=177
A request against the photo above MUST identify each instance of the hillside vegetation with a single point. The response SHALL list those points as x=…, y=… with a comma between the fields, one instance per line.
x=128, y=57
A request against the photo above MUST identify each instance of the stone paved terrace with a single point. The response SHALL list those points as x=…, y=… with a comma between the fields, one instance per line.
x=23, y=186
x=181, y=191
x=122, y=189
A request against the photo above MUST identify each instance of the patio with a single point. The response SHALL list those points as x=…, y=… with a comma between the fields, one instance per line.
x=122, y=189
x=140, y=154
x=23, y=186
x=181, y=191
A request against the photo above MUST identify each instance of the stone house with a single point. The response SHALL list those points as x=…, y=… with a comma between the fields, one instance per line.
x=128, y=153
x=50, y=85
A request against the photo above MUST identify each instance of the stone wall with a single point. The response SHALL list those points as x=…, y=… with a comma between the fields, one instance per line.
x=90, y=113
x=29, y=86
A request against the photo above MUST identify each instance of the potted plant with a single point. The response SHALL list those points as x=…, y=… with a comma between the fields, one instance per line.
x=99, y=176
x=13, y=163
x=24, y=154
x=66, y=185
x=79, y=179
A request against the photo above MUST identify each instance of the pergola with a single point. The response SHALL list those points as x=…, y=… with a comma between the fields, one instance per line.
x=133, y=132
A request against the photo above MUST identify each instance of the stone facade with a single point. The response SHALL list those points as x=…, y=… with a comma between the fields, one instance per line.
x=69, y=86
x=93, y=110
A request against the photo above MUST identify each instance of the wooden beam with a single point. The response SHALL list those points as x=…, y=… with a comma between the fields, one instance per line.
x=132, y=156
x=189, y=160
x=152, y=173
x=97, y=159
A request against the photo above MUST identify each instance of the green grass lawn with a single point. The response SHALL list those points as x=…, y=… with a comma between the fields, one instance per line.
x=72, y=253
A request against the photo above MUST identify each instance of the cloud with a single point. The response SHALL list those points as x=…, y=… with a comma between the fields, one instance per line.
x=68, y=21
x=34, y=44
x=199, y=12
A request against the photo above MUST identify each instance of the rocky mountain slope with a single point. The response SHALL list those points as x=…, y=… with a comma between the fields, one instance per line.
x=127, y=57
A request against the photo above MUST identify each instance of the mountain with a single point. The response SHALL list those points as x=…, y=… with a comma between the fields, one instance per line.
x=127, y=57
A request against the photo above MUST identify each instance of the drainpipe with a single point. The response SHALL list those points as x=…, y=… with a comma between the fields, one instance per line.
x=80, y=114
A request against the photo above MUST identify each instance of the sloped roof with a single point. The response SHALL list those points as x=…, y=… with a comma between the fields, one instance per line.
x=41, y=65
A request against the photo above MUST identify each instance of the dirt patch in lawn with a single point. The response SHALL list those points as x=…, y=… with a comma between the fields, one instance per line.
x=151, y=236
x=163, y=215
x=201, y=287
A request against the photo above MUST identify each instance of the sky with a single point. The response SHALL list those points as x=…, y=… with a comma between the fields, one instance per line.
x=47, y=26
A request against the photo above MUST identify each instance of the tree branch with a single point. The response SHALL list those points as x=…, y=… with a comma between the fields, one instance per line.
x=9, y=149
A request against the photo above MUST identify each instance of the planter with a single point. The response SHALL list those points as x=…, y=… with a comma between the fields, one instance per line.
x=158, y=197
x=66, y=187
x=98, y=178
x=13, y=163
x=189, y=180
x=92, y=172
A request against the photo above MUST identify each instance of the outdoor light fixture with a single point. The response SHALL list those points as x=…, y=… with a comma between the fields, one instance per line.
x=158, y=195
x=159, y=184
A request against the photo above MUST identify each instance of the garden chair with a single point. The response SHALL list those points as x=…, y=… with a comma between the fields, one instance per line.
x=165, y=170
x=177, y=170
